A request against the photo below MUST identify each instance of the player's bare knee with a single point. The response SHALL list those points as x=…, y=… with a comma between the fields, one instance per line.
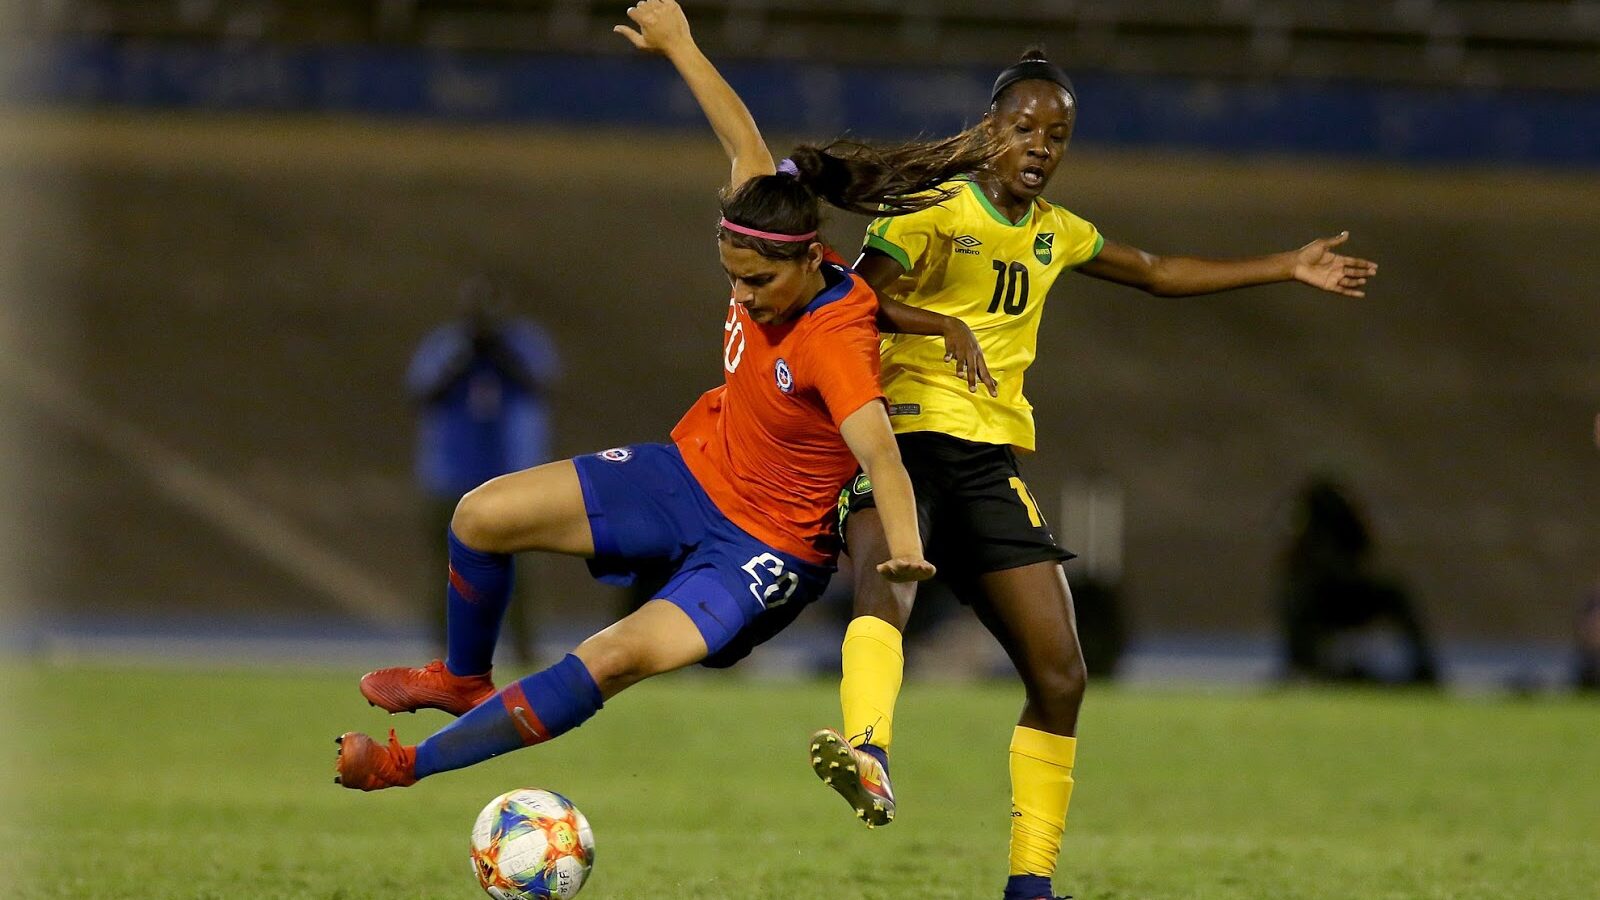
x=478, y=519
x=1059, y=687
x=613, y=664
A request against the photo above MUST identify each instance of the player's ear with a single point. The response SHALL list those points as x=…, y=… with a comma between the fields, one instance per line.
x=814, y=254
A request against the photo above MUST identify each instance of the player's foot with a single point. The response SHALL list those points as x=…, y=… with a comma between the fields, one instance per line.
x=857, y=775
x=366, y=765
x=433, y=686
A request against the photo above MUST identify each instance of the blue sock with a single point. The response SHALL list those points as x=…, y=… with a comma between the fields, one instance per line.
x=478, y=594
x=877, y=753
x=1025, y=887
x=542, y=706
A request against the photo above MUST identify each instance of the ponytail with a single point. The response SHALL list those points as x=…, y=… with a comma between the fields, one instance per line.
x=890, y=180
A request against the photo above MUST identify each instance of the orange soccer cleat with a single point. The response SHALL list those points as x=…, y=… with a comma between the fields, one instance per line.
x=433, y=686
x=366, y=765
x=857, y=775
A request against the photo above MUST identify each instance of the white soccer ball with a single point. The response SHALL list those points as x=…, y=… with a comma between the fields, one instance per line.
x=531, y=845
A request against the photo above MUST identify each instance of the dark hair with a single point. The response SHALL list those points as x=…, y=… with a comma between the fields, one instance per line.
x=1034, y=64
x=875, y=180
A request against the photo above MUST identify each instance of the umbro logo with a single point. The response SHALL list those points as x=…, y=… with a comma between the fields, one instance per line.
x=967, y=244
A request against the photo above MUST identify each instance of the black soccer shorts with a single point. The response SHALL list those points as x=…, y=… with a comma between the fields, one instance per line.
x=975, y=512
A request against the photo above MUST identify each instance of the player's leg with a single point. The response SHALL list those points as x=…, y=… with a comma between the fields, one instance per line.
x=855, y=761
x=536, y=509
x=1029, y=610
x=659, y=637
x=1020, y=594
x=541, y=508
x=873, y=659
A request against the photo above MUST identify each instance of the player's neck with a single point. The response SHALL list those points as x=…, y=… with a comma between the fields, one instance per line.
x=1005, y=203
x=815, y=284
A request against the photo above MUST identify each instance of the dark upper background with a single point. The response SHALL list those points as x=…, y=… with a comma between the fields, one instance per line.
x=229, y=223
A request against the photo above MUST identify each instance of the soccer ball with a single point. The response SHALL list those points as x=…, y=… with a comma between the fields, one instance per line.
x=531, y=845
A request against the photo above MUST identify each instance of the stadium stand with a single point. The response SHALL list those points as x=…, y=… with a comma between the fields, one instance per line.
x=1484, y=43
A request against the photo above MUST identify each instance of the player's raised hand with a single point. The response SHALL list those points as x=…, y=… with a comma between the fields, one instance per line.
x=662, y=26
x=906, y=568
x=1317, y=265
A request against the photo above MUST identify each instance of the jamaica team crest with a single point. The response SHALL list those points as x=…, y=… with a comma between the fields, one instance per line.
x=1042, y=245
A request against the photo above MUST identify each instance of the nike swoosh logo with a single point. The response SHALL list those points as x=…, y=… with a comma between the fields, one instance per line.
x=521, y=715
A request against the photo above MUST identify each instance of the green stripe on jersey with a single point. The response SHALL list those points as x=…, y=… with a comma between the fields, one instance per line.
x=890, y=250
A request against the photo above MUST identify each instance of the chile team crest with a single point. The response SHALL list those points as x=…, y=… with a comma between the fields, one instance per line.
x=784, y=377
x=616, y=454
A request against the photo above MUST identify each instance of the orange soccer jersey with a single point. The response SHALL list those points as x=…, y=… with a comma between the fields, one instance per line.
x=765, y=445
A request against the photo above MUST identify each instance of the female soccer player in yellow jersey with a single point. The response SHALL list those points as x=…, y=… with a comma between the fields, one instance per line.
x=989, y=256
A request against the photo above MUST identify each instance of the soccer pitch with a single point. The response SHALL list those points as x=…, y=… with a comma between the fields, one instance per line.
x=163, y=784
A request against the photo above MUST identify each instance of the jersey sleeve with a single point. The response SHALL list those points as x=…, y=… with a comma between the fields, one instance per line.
x=905, y=239
x=1079, y=241
x=841, y=361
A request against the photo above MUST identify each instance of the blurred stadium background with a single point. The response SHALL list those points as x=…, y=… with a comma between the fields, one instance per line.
x=224, y=227
x=228, y=224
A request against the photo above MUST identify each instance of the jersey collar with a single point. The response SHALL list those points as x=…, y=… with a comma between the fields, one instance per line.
x=983, y=200
x=839, y=284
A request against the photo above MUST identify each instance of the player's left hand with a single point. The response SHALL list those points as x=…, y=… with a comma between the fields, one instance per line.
x=961, y=347
x=906, y=568
x=1317, y=265
x=662, y=26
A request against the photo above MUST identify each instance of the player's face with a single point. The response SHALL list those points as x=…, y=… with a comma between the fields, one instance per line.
x=1037, y=118
x=770, y=290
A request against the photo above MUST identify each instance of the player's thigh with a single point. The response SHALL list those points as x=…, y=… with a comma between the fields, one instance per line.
x=541, y=508
x=867, y=546
x=876, y=596
x=997, y=523
x=1029, y=611
x=656, y=638
x=740, y=593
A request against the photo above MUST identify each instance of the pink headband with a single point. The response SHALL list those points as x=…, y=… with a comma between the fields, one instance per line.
x=768, y=235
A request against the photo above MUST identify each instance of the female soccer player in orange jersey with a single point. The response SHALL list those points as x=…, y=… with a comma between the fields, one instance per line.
x=741, y=506
x=989, y=255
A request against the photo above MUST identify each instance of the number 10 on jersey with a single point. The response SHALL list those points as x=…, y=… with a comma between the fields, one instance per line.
x=1010, y=288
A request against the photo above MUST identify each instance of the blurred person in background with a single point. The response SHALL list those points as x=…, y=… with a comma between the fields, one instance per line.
x=481, y=383
x=1342, y=620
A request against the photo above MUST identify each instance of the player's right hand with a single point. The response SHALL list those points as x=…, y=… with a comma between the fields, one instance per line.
x=662, y=26
x=906, y=568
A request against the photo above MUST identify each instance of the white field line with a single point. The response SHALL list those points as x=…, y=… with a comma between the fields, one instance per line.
x=208, y=497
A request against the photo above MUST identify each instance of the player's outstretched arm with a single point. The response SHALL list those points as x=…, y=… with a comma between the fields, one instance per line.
x=960, y=344
x=1315, y=264
x=866, y=431
x=663, y=29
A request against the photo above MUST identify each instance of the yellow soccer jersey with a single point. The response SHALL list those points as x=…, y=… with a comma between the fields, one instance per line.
x=964, y=259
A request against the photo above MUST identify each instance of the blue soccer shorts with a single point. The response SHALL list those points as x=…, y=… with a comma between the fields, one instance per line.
x=647, y=513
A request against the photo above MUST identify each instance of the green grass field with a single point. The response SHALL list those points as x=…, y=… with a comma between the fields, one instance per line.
x=160, y=784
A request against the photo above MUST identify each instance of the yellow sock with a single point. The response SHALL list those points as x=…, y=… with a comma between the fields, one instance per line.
x=1041, y=788
x=873, y=668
